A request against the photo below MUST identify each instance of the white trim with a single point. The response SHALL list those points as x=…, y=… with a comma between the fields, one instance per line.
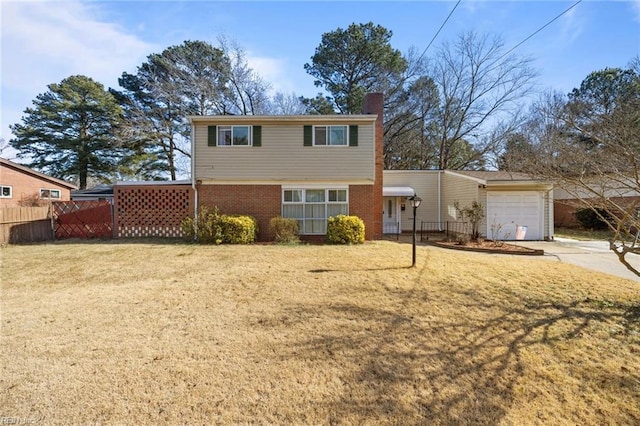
x=10, y=191
x=398, y=191
x=303, y=204
x=288, y=119
x=327, y=134
x=315, y=186
x=50, y=191
x=232, y=127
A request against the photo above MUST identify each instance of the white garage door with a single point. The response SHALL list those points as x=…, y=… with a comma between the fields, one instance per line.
x=507, y=210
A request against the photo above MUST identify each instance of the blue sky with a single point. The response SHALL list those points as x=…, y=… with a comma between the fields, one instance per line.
x=44, y=42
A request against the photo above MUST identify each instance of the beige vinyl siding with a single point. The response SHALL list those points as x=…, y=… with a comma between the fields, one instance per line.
x=282, y=156
x=457, y=188
x=425, y=184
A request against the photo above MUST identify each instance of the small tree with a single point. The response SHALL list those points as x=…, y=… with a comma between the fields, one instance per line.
x=474, y=213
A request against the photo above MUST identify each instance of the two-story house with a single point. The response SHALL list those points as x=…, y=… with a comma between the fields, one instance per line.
x=307, y=167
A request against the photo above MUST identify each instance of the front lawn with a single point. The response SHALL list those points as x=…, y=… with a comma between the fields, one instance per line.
x=143, y=333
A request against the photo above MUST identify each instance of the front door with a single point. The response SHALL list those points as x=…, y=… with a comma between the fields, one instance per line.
x=391, y=215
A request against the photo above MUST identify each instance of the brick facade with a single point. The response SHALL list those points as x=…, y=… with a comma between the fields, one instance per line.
x=26, y=185
x=374, y=104
x=260, y=201
x=564, y=210
x=360, y=203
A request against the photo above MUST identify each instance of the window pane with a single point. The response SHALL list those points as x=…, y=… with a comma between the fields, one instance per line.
x=314, y=211
x=320, y=135
x=44, y=193
x=315, y=196
x=294, y=211
x=224, y=135
x=6, y=191
x=336, y=209
x=315, y=227
x=338, y=135
x=293, y=195
x=54, y=193
x=241, y=135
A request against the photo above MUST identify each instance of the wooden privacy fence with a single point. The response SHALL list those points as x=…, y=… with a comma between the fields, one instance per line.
x=83, y=219
x=25, y=225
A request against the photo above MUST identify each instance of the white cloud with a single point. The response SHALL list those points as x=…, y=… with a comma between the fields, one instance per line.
x=45, y=42
x=635, y=5
x=573, y=23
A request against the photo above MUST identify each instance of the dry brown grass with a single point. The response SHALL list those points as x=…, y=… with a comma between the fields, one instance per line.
x=160, y=333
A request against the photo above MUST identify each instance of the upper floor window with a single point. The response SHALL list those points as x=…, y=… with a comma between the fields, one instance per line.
x=330, y=135
x=5, y=191
x=234, y=135
x=50, y=193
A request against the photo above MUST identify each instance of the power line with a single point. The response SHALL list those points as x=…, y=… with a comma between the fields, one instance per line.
x=539, y=29
x=440, y=29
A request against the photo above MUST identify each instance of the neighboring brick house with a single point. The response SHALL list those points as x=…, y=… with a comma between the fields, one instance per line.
x=20, y=185
x=307, y=167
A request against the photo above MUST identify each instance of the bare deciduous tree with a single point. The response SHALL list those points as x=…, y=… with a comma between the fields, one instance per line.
x=481, y=88
x=588, y=145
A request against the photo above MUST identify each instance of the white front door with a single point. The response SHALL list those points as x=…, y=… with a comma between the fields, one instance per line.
x=391, y=215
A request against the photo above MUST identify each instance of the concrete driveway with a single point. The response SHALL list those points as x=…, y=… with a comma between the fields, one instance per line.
x=594, y=255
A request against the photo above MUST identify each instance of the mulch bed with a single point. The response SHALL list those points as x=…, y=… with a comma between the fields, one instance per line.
x=489, y=247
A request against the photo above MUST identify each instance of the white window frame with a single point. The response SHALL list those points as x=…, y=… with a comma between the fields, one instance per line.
x=327, y=141
x=2, y=188
x=335, y=193
x=49, y=191
x=231, y=129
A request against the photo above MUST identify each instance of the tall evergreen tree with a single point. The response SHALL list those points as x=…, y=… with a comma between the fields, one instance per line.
x=68, y=133
x=350, y=63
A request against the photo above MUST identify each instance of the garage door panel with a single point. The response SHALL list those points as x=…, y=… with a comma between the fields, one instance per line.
x=507, y=210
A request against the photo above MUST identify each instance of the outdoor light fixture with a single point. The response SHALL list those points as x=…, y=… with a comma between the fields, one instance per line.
x=415, y=203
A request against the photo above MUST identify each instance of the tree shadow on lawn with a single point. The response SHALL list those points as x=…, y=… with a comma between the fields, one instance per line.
x=465, y=368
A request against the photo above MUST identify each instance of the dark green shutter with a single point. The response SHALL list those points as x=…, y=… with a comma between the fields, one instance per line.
x=353, y=135
x=211, y=140
x=257, y=135
x=308, y=135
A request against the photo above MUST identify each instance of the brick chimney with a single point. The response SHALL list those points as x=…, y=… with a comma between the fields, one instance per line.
x=374, y=104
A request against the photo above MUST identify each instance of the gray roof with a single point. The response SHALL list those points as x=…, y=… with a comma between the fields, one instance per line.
x=496, y=176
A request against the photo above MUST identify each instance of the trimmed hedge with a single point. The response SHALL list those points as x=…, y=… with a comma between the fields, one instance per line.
x=590, y=219
x=238, y=229
x=211, y=227
x=284, y=230
x=343, y=229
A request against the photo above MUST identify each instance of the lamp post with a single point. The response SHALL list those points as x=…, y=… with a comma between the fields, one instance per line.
x=415, y=203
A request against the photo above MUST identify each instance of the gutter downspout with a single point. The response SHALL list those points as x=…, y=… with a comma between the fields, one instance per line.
x=439, y=201
x=551, y=214
x=193, y=174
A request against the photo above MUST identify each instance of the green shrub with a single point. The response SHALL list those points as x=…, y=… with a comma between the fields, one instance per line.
x=284, y=230
x=238, y=229
x=590, y=219
x=205, y=229
x=345, y=230
x=211, y=227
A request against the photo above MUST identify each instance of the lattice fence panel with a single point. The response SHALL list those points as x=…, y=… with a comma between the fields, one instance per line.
x=152, y=211
x=83, y=219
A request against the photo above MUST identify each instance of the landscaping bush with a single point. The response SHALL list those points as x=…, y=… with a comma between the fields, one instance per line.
x=211, y=227
x=345, y=230
x=238, y=229
x=284, y=230
x=590, y=219
x=205, y=229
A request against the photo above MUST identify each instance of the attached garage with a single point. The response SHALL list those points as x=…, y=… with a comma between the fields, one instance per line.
x=511, y=211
